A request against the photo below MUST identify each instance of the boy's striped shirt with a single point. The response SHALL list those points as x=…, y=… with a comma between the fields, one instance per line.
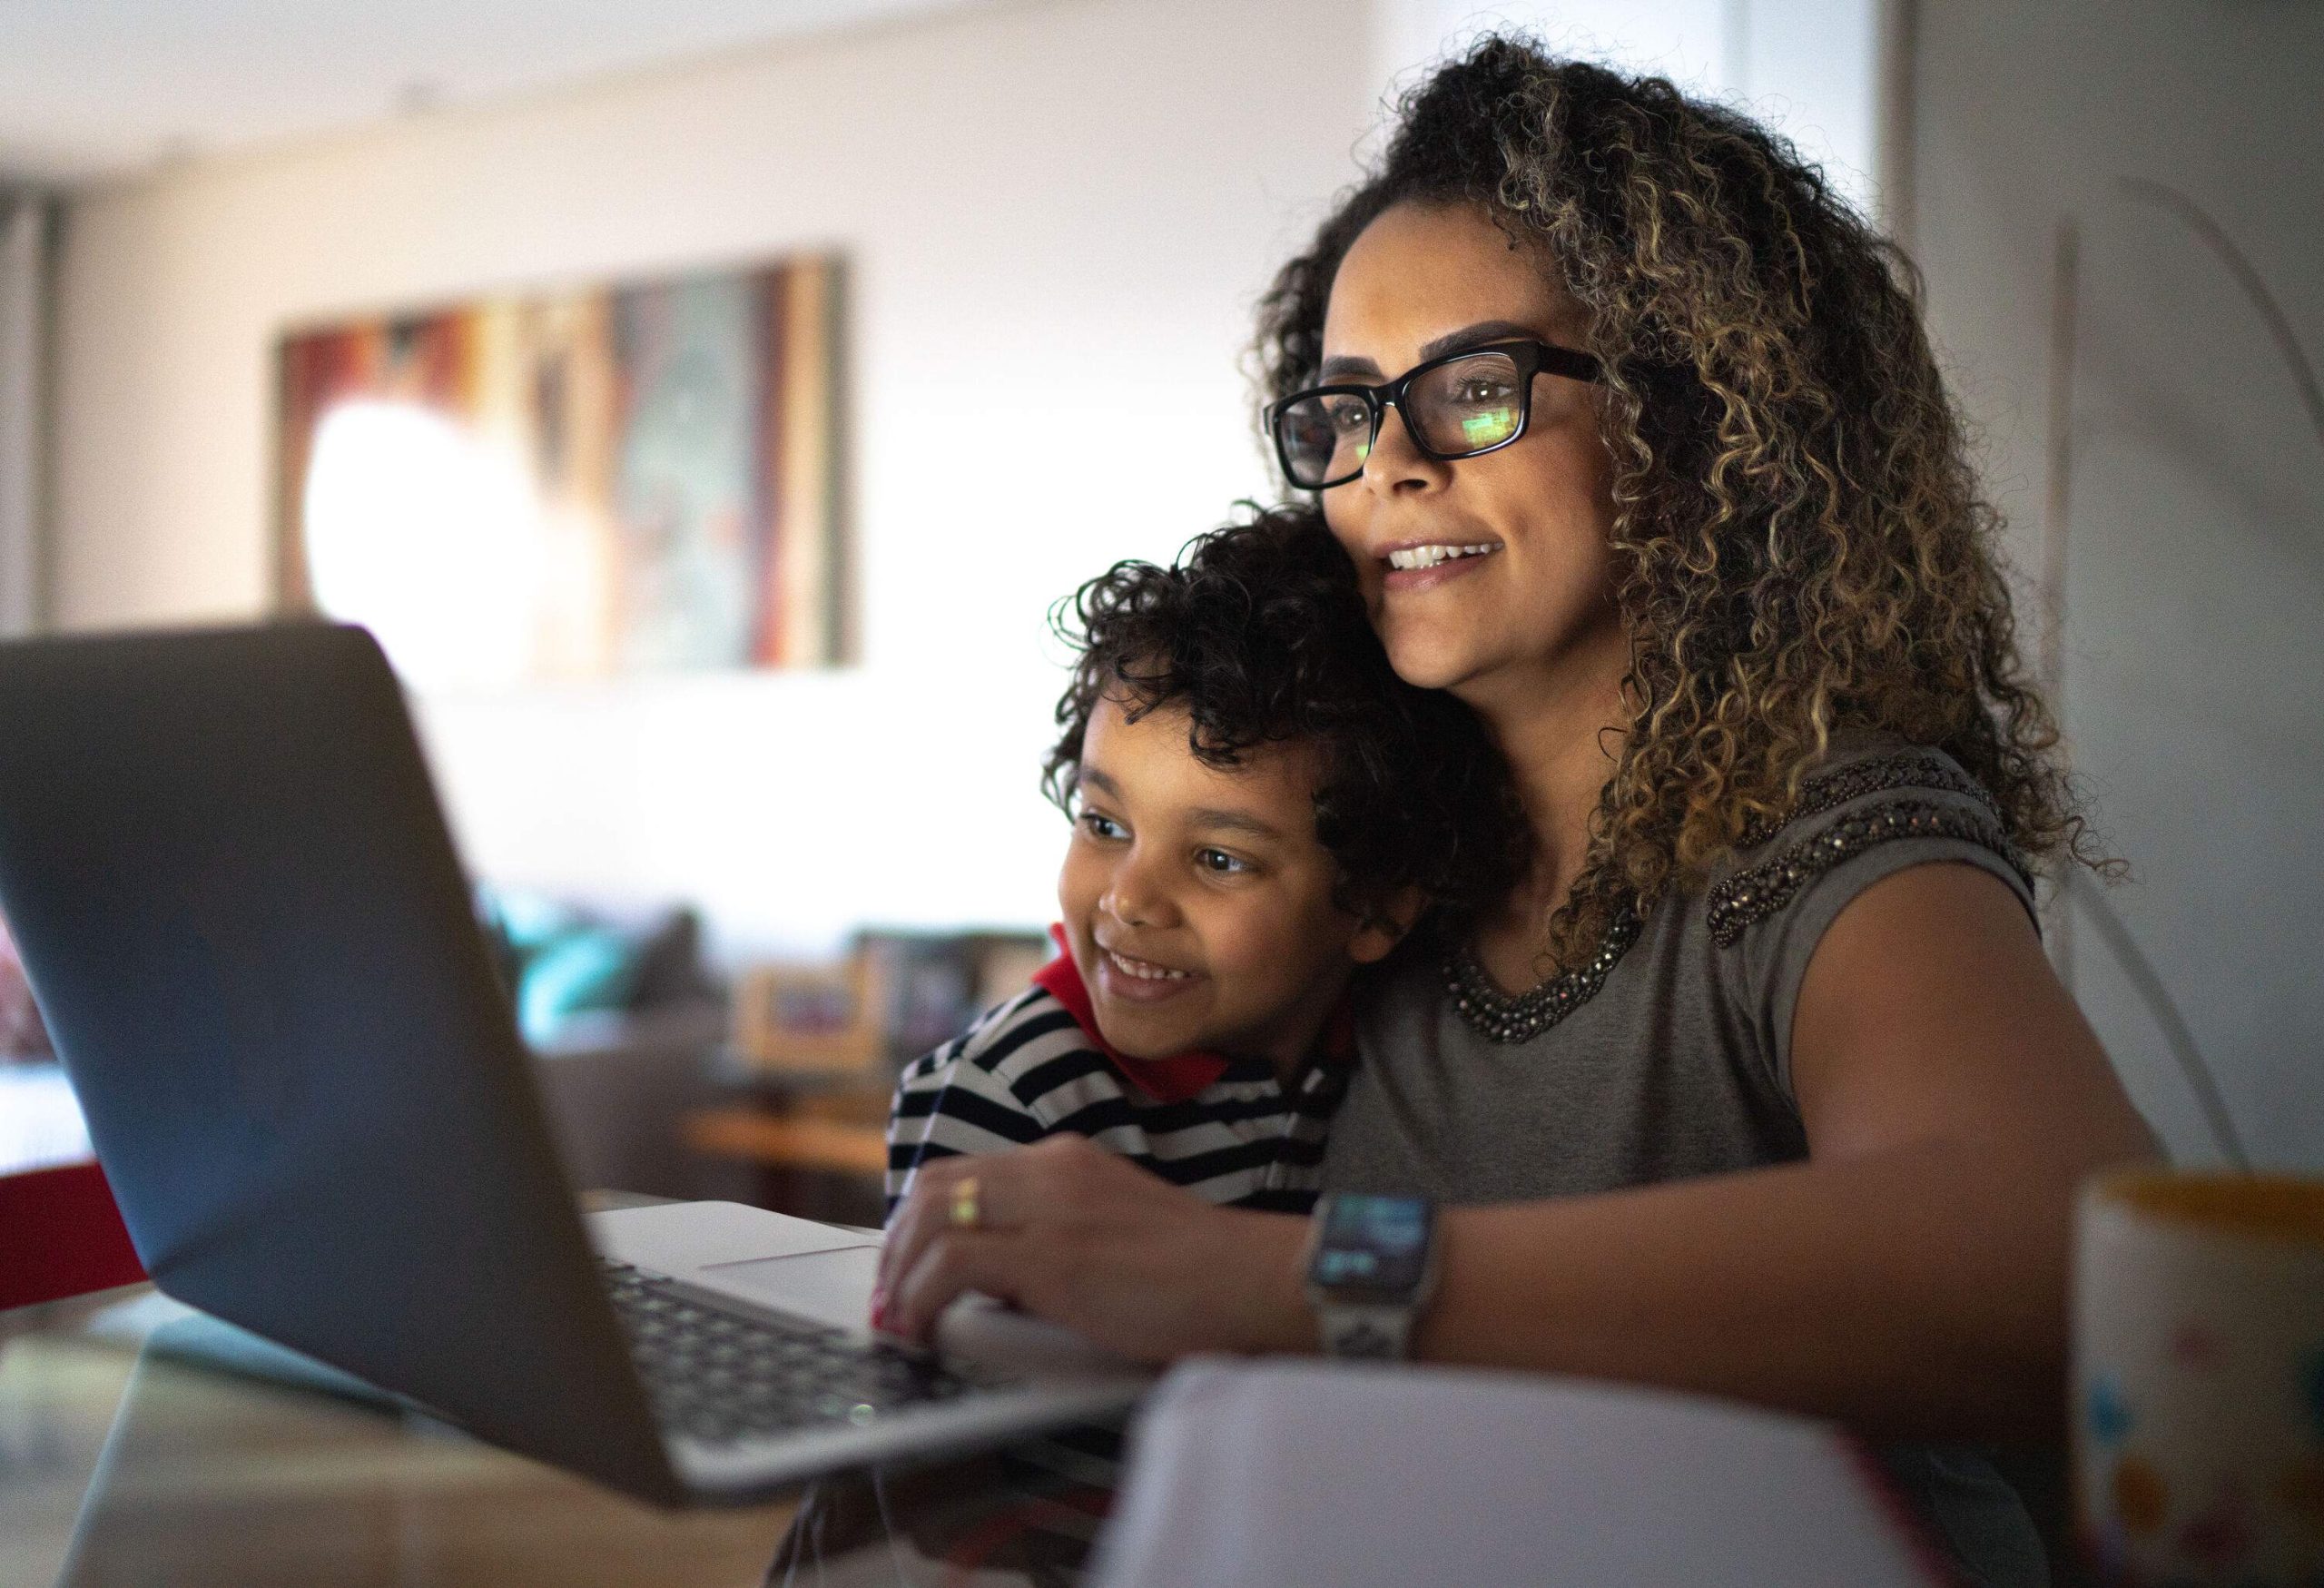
x=1028, y=1070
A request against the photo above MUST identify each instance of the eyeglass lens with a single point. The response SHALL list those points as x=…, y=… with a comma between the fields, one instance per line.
x=1463, y=405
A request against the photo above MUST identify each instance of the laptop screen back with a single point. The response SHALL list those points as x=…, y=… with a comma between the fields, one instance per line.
x=243, y=918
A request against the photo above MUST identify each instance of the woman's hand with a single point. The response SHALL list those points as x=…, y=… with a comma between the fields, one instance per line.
x=1075, y=1235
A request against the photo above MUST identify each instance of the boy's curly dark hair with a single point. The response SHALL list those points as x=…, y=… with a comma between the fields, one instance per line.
x=1259, y=633
x=1801, y=545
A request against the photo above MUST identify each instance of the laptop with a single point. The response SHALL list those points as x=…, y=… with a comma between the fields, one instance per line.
x=243, y=917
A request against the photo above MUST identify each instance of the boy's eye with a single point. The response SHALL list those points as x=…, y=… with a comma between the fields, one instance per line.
x=1218, y=863
x=1100, y=826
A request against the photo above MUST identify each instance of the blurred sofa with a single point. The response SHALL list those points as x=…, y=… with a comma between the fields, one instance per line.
x=623, y=1017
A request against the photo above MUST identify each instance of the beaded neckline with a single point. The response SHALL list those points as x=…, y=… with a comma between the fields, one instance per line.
x=1510, y=1018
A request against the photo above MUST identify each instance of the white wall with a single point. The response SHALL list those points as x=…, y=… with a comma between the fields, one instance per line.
x=1805, y=67
x=1056, y=217
x=2194, y=654
x=24, y=297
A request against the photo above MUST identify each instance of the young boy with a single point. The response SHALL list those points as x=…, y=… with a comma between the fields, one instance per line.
x=1260, y=809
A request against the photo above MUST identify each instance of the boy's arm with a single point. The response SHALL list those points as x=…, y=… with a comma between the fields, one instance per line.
x=962, y=1098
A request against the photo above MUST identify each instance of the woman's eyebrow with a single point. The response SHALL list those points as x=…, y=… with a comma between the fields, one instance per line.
x=1469, y=336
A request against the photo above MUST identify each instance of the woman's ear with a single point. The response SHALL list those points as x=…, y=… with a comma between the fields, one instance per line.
x=1385, y=925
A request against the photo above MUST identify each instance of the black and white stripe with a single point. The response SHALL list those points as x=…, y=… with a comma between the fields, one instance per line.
x=1025, y=1070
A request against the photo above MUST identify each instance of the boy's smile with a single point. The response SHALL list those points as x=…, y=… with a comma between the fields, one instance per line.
x=1197, y=900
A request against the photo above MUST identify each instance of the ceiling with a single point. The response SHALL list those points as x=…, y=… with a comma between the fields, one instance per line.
x=91, y=89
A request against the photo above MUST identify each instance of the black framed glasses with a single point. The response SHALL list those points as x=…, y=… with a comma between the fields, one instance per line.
x=1459, y=406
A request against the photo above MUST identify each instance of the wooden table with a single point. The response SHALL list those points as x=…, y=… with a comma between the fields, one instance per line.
x=757, y=1134
x=819, y=1155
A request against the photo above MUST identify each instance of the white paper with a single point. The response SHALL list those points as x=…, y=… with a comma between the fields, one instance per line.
x=1276, y=1473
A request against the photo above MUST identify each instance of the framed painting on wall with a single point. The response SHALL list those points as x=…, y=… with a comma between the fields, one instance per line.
x=636, y=478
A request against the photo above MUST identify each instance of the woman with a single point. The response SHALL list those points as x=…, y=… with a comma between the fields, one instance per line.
x=1759, y=1083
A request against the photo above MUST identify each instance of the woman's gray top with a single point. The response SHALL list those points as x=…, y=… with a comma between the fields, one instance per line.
x=1668, y=1053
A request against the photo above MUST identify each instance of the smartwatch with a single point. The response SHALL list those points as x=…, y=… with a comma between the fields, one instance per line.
x=1371, y=1268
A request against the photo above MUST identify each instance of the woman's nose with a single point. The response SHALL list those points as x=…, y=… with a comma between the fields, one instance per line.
x=1394, y=464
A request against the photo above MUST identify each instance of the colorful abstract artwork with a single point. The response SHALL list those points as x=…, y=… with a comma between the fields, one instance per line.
x=629, y=478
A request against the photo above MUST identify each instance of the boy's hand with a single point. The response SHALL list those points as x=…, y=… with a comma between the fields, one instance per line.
x=1083, y=1238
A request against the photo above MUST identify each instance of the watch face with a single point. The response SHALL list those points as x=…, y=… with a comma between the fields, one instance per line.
x=1375, y=1245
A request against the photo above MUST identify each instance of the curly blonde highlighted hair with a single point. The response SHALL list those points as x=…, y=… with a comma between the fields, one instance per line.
x=1801, y=546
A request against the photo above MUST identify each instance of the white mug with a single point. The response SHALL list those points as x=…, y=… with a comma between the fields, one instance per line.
x=2199, y=1379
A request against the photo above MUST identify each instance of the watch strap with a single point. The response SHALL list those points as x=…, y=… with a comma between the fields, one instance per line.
x=1367, y=1333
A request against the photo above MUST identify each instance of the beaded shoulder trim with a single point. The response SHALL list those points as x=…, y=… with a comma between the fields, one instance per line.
x=1903, y=769
x=1510, y=1018
x=1758, y=891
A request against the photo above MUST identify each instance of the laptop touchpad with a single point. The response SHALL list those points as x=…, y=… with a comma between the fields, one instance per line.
x=832, y=1287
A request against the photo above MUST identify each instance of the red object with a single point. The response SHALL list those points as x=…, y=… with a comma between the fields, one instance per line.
x=61, y=1235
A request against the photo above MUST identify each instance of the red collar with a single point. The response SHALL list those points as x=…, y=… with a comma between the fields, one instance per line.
x=1181, y=1075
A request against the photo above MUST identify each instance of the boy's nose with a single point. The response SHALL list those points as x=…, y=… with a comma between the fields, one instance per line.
x=1132, y=898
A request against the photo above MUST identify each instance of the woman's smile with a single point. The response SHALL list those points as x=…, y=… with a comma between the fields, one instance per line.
x=1427, y=564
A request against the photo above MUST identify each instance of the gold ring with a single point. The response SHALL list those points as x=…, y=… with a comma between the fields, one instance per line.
x=965, y=1211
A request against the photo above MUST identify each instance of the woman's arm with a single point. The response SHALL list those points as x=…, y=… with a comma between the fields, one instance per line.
x=1909, y=1277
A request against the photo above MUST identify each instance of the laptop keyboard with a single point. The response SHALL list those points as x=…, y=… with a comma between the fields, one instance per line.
x=721, y=1377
